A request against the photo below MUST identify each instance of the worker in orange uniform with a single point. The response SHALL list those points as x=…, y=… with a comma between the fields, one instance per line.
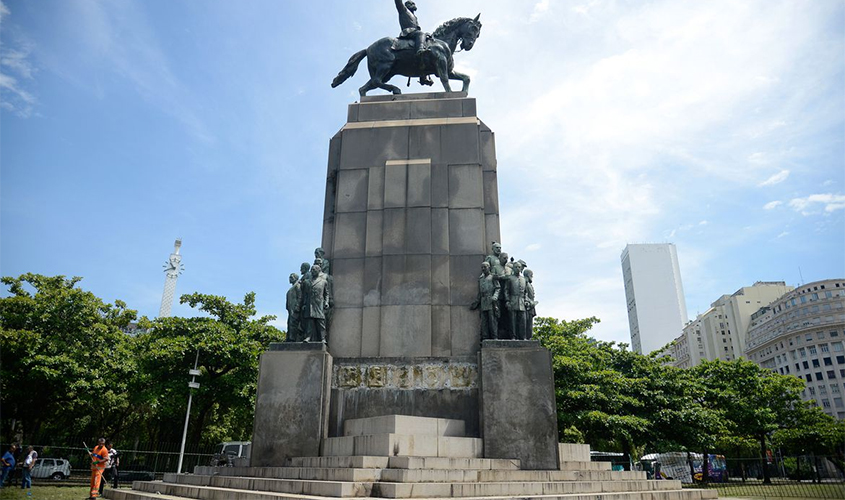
x=99, y=459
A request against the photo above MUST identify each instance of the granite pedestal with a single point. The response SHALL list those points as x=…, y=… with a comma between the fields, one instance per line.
x=291, y=408
x=518, y=411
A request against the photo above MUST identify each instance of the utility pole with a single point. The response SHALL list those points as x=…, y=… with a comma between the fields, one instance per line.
x=193, y=384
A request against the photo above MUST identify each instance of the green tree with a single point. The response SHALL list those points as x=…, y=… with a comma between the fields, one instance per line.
x=755, y=401
x=813, y=432
x=620, y=400
x=64, y=362
x=227, y=345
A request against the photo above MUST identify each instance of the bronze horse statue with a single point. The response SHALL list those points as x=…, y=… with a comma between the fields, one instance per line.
x=390, y=56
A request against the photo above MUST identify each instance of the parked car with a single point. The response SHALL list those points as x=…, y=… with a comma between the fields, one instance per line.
x=225, y=453
x=53, y=468
x=135, y=473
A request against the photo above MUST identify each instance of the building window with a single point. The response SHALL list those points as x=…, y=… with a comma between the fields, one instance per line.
x=828, y=362
x=813, y=349
x=837, y=346
x=819, y=376
x=802, y=352
x=815, y=363
x=806, y=365
x=831, y=375
x=840, y=360
x=809, y=377
x=825, y=348
x=808, y=337
x=826, y=403
x=834, y=388
x=834, y=333
x=837, y=402
x=812, y=391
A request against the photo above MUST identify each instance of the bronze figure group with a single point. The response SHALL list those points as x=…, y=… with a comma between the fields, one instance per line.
x=505, y=297
x=309, y=301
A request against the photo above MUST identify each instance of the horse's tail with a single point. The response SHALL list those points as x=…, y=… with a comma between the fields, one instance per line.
x=350, y=68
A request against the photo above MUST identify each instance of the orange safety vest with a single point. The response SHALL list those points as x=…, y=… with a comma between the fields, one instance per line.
x=99, y=457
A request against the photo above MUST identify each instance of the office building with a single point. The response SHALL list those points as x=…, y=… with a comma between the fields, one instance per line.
x=655, y=295
x=802, y=334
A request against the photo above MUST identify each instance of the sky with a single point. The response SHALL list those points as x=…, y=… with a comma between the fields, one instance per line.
x=718, y=126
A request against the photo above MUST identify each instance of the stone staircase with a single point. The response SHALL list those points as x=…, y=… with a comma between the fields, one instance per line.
x=411, y=457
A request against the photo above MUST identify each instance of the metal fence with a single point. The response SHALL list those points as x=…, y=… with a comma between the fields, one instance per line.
x=805, y=476
x=135, y=459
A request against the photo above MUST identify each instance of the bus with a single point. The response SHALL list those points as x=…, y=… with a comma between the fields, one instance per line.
x=675, y=465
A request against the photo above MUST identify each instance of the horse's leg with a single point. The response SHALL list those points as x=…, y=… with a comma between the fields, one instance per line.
x=442, y=72
x=454, y=75
x=382, y=75
x=370, y=85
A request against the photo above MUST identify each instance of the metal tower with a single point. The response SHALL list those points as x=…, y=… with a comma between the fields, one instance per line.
x=172, y=269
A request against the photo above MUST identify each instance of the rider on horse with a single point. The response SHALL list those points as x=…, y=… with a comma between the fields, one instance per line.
x=412, y=32
x=410, y=26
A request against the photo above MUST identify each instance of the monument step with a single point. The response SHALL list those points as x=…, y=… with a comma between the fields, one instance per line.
x=576, y=465
x=158, y=489
x=354, y=462
x=334, y=489
x=455, y=490
x=404, y=424
x=306, y=473
x=573, y=452
x=452, y=463
x=223, y=494
x=465, y=475
x=389, y=445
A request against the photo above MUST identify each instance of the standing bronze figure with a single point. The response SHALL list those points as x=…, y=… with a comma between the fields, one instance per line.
x=515, y=296
x=488, y=303
x=410, y=55
x=315, y=302
x=293, y=304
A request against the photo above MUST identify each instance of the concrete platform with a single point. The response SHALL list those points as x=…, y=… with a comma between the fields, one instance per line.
x=423, y=461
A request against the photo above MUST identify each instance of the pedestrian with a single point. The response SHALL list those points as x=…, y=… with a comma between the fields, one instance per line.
x=110, y=474
x=99, y=459
x=8, y=462
x=28, y=464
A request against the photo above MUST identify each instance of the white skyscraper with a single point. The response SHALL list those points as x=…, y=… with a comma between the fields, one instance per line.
x=657, y=310
x=172, y=269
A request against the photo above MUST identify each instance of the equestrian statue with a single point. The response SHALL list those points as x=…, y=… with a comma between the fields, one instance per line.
x=414, y=53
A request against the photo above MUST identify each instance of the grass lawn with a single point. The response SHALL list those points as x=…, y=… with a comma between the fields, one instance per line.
x=791, y=490
x=46, y=493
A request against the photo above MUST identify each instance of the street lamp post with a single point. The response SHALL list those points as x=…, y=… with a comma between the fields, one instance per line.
x=193, y=384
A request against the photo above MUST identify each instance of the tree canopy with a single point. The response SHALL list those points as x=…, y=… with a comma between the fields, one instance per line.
x=93, y=378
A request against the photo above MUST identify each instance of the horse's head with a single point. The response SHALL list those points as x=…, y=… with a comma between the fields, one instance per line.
x=469, y=32
x=462, y=28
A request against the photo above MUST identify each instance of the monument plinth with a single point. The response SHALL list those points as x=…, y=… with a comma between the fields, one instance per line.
x=411, y=208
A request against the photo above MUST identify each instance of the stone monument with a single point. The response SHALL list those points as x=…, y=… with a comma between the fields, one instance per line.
x=411, y=209
x=388, y=388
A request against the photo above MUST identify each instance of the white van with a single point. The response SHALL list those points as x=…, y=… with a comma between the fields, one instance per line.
x=54, y=468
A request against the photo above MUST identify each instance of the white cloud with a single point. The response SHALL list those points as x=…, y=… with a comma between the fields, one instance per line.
x=15, y=71
x=783, y=234
x=815, y=203
x=772, y=205
x=540, y=8
x=640, y=131
x=776, y=179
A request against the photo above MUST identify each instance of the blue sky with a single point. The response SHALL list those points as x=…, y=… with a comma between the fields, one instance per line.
x=718, y=126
